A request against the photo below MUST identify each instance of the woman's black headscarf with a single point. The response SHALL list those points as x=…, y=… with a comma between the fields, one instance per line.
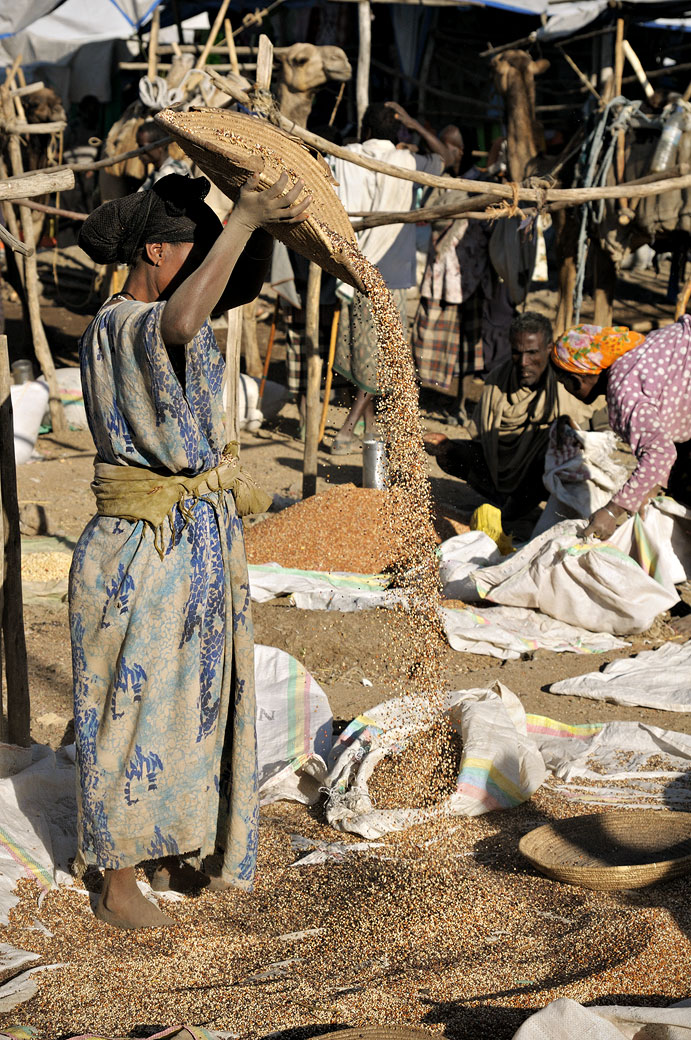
x=172, y=211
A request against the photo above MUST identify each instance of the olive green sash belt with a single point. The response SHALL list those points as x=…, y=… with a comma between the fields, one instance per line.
x=135, y=493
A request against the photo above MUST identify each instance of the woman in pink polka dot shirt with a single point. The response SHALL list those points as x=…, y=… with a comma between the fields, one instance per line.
x=647, y=381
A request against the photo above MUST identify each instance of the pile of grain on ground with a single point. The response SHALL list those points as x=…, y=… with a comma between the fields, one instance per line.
x=422, y=774
x=45, y=566
x=452, y=931
x=343, y=529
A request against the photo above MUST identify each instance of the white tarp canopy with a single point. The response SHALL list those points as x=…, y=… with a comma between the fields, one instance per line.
x=572, y=16
x=54, y=35
x=75, y=40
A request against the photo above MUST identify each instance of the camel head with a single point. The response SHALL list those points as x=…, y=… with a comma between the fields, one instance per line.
x=44, y=106
x=511, y=68
x=305, y=67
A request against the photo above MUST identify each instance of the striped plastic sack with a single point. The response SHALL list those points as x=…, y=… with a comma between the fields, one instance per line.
x=500, y=765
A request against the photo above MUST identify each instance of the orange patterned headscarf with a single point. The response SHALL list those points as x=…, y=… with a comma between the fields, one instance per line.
x=590, y=349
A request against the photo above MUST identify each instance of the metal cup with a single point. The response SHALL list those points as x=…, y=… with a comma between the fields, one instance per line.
x=22, y=371
x=374, y=464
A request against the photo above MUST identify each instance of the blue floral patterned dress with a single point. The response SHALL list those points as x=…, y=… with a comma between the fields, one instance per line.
x=162, y=648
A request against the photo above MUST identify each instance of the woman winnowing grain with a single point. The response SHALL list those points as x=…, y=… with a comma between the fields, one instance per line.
x=159, y=600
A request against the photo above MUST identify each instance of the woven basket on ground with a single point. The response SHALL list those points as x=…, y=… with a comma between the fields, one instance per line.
x=382, y=1033
x=627, y=849
x=228, y=146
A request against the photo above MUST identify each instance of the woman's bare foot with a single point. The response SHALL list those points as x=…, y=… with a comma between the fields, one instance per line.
x=122, y=905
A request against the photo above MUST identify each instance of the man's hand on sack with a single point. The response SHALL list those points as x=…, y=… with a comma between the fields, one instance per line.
x=604, y=522
x=436, y=444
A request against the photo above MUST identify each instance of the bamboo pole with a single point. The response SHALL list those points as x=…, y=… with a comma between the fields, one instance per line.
x=13, y=637
x=363, y=61
x=314, y=373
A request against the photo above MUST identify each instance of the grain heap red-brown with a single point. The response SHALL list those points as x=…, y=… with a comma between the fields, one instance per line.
x=342, y=529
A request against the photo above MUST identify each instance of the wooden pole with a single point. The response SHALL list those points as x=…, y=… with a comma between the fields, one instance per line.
x=250, y=347
x=265, y=62
x=37, y=182
x=153, y=44
x=269, y=349
x=581, y=75
x=253, y=361
x=569, y=196
x=233, y=347
x=232, y=49
x=683, y=300
x=635, y=63
x=13, y=638
x=314, y=375
x=31, y=286
x=623, y=203
x=329, y=371
x=211, y=39
x=363, y=61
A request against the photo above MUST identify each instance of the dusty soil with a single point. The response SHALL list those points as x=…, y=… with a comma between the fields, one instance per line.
x=339, y=649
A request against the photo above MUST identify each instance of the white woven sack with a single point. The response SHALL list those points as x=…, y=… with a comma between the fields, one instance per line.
x=592, y=584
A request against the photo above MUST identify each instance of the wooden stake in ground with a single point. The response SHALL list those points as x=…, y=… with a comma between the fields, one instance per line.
x=314, y=376
x=31, y=283
x=233, y=350
x=683, y=300
x=253, y=361
x=11, y=606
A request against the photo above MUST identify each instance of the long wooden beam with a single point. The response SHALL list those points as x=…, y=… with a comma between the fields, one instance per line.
x=510, y=192
x=38, y=182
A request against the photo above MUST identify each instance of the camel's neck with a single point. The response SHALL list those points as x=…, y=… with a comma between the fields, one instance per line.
x=296, y=105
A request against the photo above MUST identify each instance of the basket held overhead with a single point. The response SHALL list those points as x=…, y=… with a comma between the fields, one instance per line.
x=229, y=146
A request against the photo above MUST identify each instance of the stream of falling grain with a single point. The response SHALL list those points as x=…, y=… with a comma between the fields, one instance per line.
x=409, y=516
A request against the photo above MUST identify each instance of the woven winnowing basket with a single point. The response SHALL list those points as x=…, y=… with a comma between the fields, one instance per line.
x=628, y=849
x=228, y=146
x=397, y=1032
